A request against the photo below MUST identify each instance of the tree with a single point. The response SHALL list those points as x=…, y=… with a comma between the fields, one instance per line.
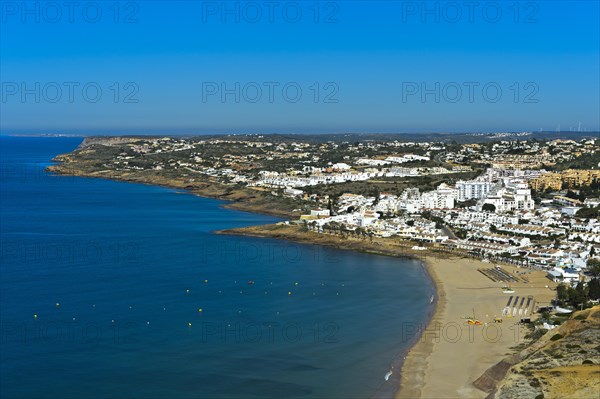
x=588, y=213
x=488, y=208
x=594, y=289
x=576, y=295
x=330, y=206
x=562, y=293
x=593, y=266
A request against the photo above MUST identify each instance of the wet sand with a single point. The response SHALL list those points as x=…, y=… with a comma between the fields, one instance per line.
x=451, y=354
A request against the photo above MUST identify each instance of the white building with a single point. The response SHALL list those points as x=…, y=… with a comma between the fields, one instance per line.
x=320, y=212
x=473, y=189
x=442, y=198
x=516, y=195
x=292, y=192
x=559, y=274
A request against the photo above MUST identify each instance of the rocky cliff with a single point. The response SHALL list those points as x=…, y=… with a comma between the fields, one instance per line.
x=88, y=141
x=564, y=363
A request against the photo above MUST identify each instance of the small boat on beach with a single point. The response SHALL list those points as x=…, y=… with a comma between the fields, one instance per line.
x=388, y=375
x=431, y=300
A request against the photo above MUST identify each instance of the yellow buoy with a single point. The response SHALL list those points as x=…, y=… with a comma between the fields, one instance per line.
x=57, y=305
x=187, y=291
x=289, y=292
x=189, y=324
x=295, y=283
x=199, y=310
x=35, y=316
x=205, y=281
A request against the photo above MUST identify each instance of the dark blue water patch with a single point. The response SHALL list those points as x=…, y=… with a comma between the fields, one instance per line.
x=111, y=289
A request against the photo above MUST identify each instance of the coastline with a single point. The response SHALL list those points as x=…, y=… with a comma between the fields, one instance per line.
x=447, y=358
x=453, y=359
x=244, y=200
x=414, y=361
x=424, y=368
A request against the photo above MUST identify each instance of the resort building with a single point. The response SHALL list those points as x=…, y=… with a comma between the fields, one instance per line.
x=473, y=189
x=516, y=195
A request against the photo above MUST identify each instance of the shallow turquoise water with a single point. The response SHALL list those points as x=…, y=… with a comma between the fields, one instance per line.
x=119, y=260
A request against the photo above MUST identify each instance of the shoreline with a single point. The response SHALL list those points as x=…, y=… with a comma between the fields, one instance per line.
x=419, y=371
x=240, y=200
x=398, y=362
x=436, y=364
x=409, y=383
x=453, y=359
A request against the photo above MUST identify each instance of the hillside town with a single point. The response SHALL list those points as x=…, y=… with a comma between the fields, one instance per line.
x=514, y=199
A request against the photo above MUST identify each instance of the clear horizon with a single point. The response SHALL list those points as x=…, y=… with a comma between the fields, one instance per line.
x=296, y=67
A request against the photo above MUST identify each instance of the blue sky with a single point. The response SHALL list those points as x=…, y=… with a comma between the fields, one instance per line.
x=345, y=66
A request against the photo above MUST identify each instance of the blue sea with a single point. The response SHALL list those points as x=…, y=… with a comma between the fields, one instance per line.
x=118, y=290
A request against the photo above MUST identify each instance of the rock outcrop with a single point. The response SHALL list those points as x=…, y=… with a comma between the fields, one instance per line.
x=563, y=363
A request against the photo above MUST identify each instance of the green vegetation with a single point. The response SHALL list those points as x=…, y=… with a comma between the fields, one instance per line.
x=586, y=161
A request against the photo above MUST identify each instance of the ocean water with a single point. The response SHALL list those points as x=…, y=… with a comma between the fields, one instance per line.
x=117, y=290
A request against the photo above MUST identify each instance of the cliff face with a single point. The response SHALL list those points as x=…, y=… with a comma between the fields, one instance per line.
x=107, y=140
x=564, y=363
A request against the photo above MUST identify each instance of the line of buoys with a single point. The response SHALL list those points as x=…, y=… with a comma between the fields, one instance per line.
x=200, y=310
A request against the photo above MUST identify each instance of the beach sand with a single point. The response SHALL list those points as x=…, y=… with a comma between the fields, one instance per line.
x=450, y=355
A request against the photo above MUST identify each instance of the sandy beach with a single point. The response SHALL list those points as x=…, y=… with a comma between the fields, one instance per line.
x=451, y=354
